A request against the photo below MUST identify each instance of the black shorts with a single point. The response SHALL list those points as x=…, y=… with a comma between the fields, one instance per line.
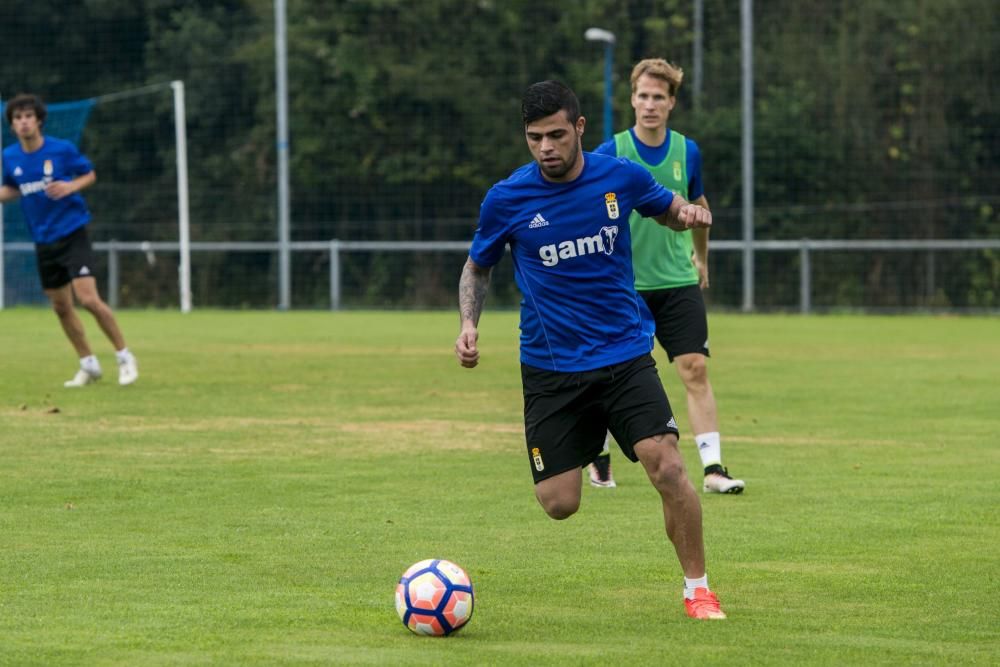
x=567, y=415
x=61, y=261
x=681, y=322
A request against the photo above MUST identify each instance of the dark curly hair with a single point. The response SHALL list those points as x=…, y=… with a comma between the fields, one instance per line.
x=25, y=101
x=546, y=98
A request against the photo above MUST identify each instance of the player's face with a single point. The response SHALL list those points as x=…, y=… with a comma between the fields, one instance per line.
x=25, y=124
x=652, y=102
x=554, y=142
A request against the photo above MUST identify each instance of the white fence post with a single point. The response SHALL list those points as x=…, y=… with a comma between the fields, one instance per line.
x=114, y=273
x=183, y=214
x=334, y=274
x=805, y=278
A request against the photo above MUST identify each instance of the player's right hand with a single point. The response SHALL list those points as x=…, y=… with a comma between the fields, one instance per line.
x=466, y=347
x=693, y=216
x=58, y=189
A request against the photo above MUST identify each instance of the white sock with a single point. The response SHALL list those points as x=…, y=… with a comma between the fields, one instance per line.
x=90, y=364
x=607, y=449
x=123, y=355
x=691, y=584
x=709, y=448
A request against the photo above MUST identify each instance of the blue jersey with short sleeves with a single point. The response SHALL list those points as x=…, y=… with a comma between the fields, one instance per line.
x=572, y=252
x=57, y=160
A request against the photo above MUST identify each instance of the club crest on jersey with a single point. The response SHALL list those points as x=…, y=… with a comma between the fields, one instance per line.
x=611, y=201
x=47, y=168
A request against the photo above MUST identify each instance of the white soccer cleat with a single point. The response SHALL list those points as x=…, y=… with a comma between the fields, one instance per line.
x=83, y=378
x=128, y=372
x=719, y=481
x=600, y=473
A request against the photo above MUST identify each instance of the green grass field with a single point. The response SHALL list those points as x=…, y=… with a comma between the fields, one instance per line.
x=254, y=498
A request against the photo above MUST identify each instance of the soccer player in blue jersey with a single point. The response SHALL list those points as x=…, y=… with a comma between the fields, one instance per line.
x=586, y=335
x=671, y=268
x=48, y=174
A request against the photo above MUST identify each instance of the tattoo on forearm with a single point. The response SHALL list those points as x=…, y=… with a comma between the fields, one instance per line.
x=472, y=291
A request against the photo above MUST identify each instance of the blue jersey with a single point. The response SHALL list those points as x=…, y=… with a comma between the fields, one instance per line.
x=57, y=160
x=572, y=252
x=654, y=155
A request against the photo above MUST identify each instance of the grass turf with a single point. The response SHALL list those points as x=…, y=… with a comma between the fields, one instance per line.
x=255, y=496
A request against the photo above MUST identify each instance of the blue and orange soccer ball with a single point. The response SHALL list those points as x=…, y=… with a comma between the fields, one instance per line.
x=434, y=597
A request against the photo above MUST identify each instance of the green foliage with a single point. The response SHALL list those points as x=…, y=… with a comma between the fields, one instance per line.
x=873, y=119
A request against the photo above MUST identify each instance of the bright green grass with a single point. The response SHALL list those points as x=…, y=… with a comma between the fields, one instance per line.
x=253, y=499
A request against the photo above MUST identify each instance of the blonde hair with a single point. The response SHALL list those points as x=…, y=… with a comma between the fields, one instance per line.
x=658, y=68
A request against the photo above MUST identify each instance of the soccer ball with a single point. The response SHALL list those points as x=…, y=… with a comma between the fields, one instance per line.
x=434, y=597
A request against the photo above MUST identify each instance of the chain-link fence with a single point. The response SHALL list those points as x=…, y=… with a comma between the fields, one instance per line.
x=873, y=121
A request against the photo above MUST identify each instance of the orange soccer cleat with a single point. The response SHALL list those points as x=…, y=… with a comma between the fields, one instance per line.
x=704, y=605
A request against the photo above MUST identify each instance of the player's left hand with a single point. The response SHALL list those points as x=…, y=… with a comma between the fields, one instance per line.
x=693, y=216
x=58, y=189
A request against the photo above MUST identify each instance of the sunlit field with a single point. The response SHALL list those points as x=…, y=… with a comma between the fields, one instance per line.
x=254, y=498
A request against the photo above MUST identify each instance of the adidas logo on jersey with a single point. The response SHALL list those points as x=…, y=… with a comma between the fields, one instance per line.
x=672, y=424
x=84, y=271
x=17, y=171
x=585, y=245
x=538, y=221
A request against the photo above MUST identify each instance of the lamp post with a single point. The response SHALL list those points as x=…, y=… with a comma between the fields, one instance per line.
x=608, y=39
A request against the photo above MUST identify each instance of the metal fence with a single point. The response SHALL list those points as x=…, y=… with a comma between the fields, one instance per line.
x=865, y=124
x=803, y=250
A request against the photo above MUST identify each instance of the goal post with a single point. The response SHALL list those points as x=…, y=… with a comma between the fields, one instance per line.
x=183, y=212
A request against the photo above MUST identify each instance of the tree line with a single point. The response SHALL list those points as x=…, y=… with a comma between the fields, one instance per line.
x=873, y=118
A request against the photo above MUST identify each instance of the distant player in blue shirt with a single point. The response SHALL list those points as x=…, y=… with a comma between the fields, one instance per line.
x=586, y=335
x=48, y=174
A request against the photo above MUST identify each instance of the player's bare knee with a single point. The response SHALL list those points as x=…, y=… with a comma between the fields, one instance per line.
x=560, y=511
x=559, y=508
x=668, y=475
x=93, y=304
x=62, y=309
x=693, y=369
